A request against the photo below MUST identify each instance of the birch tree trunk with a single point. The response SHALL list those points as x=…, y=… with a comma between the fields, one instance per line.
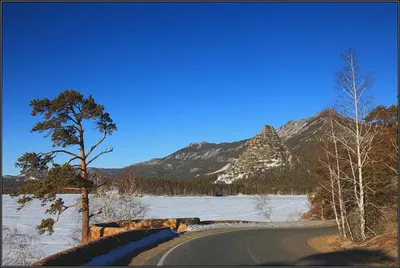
x=338, y=177
x=333, y=204
x=356, y=98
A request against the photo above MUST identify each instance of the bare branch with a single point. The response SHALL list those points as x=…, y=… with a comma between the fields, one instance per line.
x=101, y=153
x=94, y=214
x=97, y=144
x=72, y=159
x=60, y=151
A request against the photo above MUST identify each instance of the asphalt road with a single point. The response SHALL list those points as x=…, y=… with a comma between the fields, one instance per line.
x=247, y=247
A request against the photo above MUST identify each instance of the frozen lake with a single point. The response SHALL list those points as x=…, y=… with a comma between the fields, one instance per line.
x=206, y=208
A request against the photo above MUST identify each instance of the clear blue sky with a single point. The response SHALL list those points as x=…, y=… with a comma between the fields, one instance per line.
x=174, y=73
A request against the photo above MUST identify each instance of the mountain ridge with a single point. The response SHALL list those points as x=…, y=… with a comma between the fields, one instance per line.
x=204, y=158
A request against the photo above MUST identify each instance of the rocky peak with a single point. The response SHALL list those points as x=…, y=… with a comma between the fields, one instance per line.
x=291, y=128
x=268, y=130
x=263, y=152
x=305, y=128
x=197, y=145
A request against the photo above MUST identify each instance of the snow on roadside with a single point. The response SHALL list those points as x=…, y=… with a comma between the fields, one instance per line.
x=116, y=254
x=288, y=224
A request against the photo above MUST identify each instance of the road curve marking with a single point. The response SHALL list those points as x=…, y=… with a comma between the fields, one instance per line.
x=249, y=251
x=161, y=261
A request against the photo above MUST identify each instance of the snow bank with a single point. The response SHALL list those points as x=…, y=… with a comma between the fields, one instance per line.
x=116, y=254
x=289, y=224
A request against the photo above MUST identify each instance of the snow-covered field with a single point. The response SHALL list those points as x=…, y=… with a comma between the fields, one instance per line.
x=206, y=208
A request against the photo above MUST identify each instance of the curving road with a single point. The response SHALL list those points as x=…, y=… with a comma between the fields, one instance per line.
x=247, y=247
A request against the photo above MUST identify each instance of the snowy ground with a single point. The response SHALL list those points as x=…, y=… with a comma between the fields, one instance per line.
x=286, y=224
x=206, y=208
x=223, y=208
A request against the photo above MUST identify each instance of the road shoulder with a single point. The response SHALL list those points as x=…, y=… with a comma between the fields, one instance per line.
x=335, y=243
x=325, y=243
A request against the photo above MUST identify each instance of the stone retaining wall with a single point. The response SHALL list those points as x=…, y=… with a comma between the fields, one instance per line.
x=111, y=228
x=227, y=221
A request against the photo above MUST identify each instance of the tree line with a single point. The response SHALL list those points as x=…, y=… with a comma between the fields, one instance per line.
x=286, y=180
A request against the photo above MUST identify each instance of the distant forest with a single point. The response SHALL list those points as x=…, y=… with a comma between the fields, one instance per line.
x=276, y=181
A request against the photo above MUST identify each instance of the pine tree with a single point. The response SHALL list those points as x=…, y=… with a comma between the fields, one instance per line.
x=63, y=119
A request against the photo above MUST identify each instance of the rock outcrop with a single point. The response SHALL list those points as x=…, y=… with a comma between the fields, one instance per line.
x=263, y=152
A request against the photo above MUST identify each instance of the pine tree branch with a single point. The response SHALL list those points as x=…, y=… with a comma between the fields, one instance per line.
x=101, y=153
x=67, y=207
x=71, y=188
x=61, y=151
x=72, y=159
x=97, y=144
x=73, y=120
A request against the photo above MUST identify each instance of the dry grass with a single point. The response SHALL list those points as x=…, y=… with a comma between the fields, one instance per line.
x=326, y=243
x=386, y=243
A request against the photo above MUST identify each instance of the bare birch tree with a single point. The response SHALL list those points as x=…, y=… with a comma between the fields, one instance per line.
x=332, y=189
x=114, y=205
x=355, y=136
x=332, y=164
x=19, y=249
x=262, y=206
x=116, y=201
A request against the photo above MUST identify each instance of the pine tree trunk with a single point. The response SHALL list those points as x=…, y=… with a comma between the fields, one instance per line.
x=85, y=206
x=85, y=216
x=85, y=194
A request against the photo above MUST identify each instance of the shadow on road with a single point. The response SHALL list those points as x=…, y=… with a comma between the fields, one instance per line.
x=128, y=258
x=345, y=257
